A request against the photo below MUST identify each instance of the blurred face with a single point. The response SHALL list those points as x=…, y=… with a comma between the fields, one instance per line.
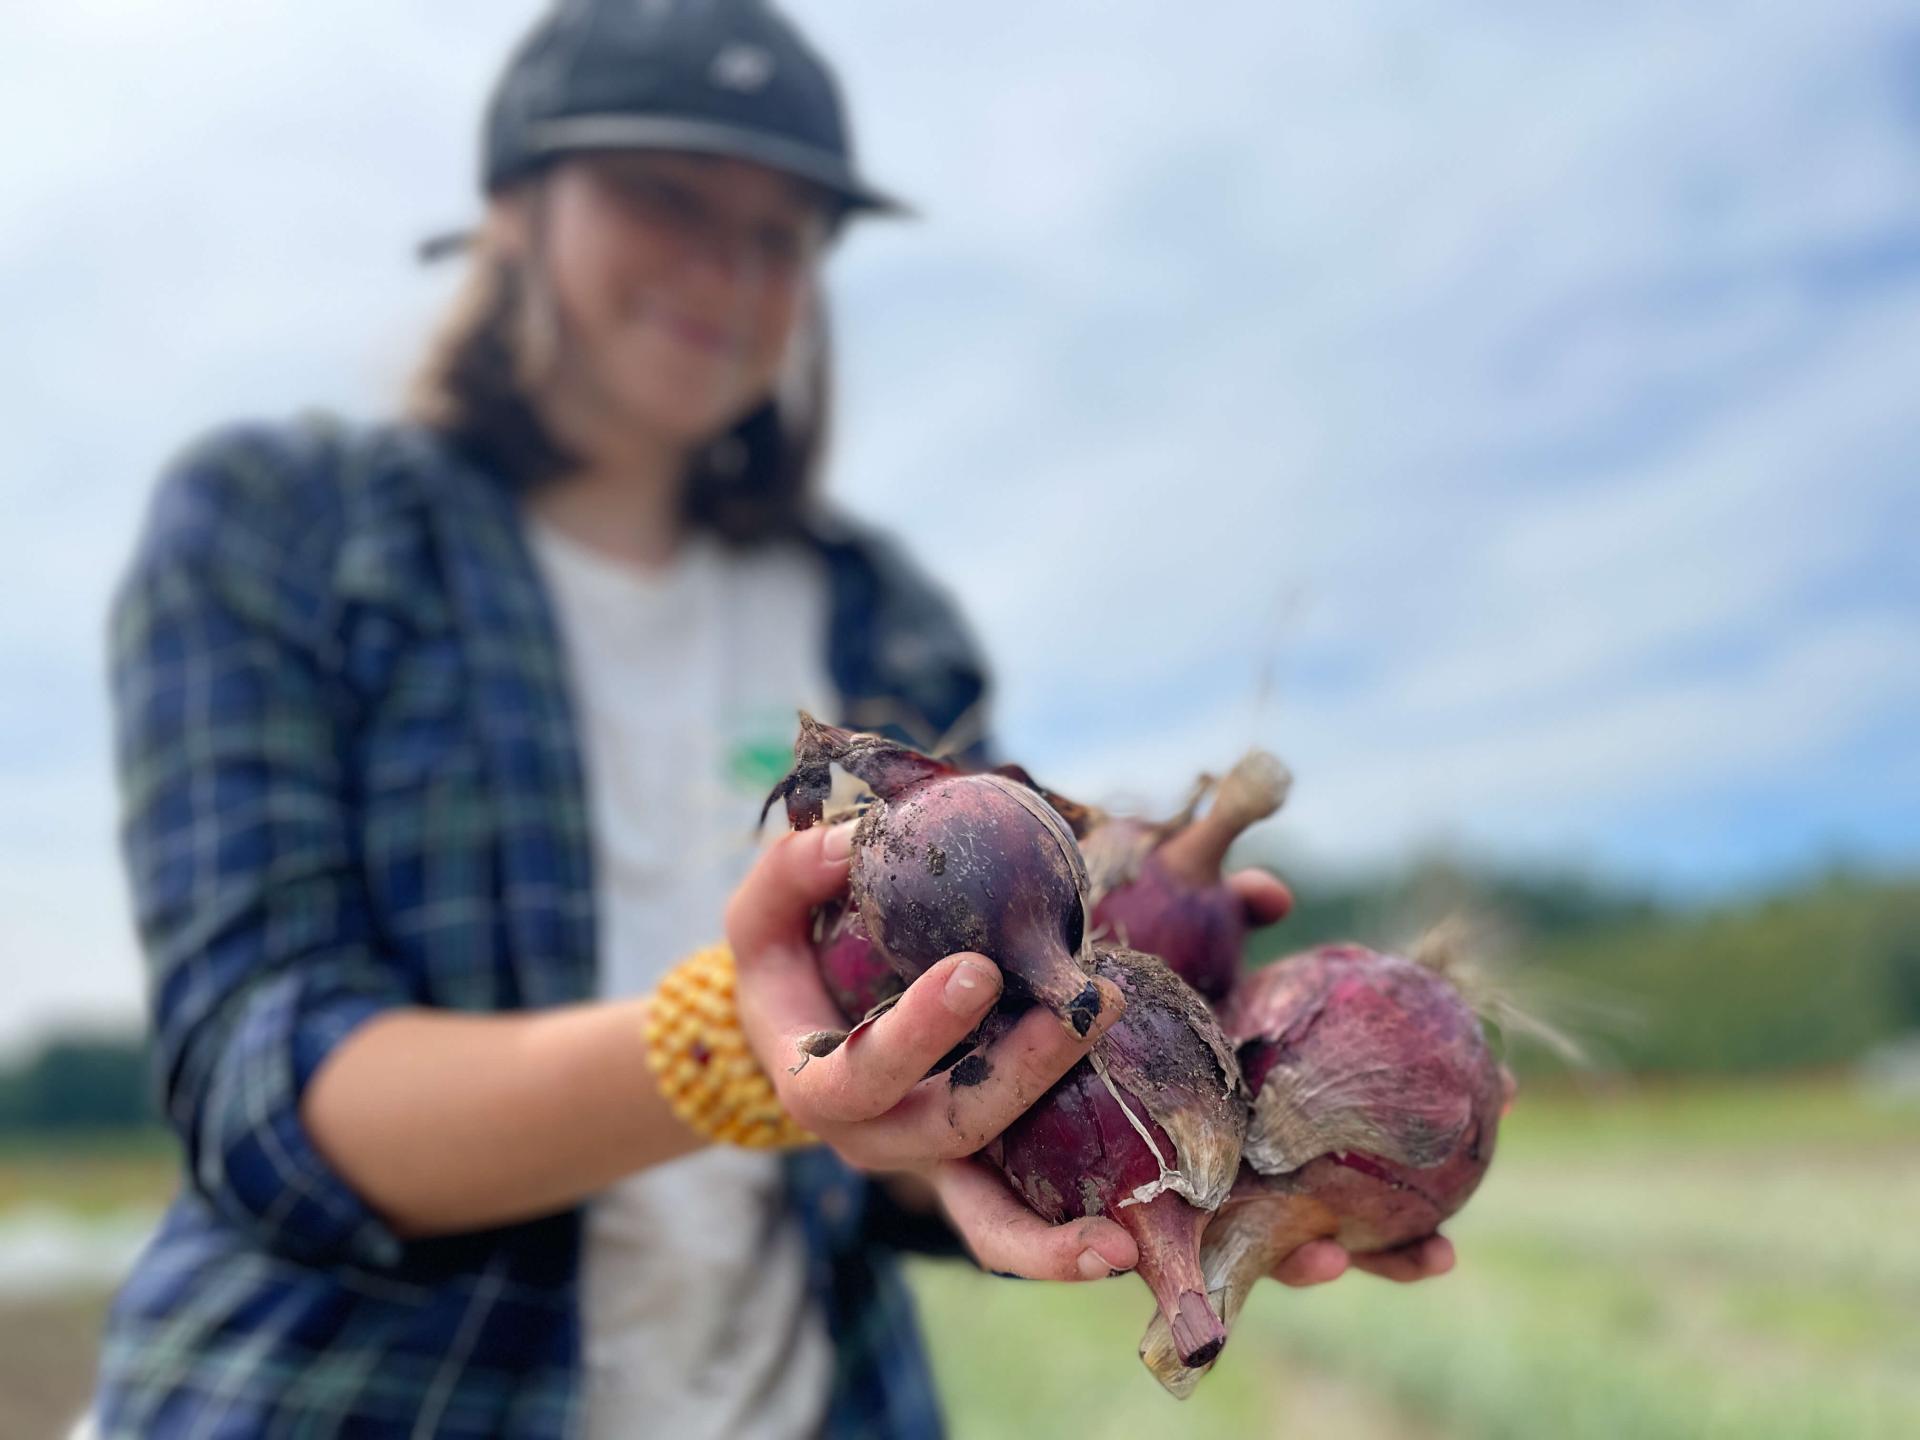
x=678, y=280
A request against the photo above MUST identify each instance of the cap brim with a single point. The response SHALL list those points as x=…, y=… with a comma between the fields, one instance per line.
x=709, y=137
x=444, y=245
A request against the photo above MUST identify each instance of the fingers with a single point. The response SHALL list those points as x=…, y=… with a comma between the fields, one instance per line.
x=1265, y=898
x=1314, y=1263
x=777, y=1005
x=1421, y=1260
x=875, y=1069
x=954, y=1114
x=1008, y=1238
x=1319, y=1261
x=1509, y=1087
x=772, y=909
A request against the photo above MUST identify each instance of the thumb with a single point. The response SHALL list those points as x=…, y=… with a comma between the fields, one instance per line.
x=773, y=906
x=1264, y=897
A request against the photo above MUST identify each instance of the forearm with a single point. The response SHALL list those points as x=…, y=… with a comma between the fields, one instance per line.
x=447, y=1122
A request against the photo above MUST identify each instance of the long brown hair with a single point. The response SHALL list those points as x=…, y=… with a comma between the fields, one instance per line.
x=475, y=383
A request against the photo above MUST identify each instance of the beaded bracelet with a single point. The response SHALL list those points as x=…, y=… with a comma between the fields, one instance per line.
x=696, y=1050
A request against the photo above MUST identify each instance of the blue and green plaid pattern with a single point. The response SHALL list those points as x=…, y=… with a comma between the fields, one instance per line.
x=351, y=782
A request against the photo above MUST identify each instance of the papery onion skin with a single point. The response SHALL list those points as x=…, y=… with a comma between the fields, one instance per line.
x=1160, y=886
x=1146, y=1130
x=1376, y=1104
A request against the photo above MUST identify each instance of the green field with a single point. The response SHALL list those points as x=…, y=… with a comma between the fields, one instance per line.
x=1729, y=1261
x=1708, y=1262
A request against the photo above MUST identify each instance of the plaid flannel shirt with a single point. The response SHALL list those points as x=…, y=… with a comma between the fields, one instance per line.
x=350, y=782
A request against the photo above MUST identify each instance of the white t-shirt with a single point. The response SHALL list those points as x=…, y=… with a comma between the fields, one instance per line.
x=685, y=685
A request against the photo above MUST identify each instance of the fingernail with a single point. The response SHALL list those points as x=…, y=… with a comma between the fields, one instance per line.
x=969, y=988
x=1092, y=1265
x=839, y=842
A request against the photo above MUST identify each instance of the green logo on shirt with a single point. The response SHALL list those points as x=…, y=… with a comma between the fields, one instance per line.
x=755, y=764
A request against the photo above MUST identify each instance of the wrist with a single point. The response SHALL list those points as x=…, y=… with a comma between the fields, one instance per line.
x=699, y=1058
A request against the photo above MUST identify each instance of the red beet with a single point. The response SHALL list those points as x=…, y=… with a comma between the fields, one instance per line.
x=1159, y=887
x=1375, y=1105
x=1148, y=1130
x=944, y=862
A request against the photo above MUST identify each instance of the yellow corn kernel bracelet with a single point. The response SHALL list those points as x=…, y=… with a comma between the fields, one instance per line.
x=698, y=1053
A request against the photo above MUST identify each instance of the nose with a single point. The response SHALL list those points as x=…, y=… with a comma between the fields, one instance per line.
x=727, y=255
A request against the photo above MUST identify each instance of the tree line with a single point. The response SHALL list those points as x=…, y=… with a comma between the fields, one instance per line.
x=1818, y=975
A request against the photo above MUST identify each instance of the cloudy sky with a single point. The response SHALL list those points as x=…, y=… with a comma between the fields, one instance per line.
x=1505, y=412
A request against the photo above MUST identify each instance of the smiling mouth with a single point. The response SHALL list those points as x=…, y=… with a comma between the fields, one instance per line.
x=710, y=339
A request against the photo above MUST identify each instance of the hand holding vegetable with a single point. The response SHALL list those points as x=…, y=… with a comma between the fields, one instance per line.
x=1141, y=1121
x=870, y=1099
x=1148, y=1129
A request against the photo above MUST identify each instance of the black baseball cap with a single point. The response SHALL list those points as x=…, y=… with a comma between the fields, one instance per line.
x=716, y=77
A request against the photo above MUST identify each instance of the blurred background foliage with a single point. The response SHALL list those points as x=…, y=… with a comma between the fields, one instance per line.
x=1824, y=974
x=1817, y=975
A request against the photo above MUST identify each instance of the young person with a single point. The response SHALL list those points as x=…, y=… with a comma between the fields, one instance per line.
x=439, y=744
